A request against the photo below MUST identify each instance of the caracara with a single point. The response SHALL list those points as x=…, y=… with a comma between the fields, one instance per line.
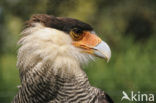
x=51, y=54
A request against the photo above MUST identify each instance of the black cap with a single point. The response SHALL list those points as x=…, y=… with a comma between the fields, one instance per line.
x=60, y=23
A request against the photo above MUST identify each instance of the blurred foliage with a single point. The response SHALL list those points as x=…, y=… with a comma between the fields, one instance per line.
x=129, y=27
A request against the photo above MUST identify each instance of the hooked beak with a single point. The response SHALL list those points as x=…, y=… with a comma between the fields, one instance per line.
x=92, y=44
x=102, y=50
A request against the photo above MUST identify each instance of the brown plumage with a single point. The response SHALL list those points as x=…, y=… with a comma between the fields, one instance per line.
x=52, y=50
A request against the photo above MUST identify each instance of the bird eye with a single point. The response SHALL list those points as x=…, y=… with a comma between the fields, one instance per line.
x=77, y=31
x=76, y=34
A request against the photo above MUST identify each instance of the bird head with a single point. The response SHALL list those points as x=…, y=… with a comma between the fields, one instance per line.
x=90, y=43
x=49, y=37
x=84, y=37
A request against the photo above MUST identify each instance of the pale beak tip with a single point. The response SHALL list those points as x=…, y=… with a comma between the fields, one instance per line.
x=107, y=59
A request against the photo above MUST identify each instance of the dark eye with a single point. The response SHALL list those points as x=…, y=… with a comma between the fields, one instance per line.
x=77, y=31
x=76, y=34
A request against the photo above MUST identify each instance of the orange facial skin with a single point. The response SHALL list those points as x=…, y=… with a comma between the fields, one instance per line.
x=87, y=42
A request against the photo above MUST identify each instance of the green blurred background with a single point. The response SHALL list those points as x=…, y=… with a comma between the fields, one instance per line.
x=128, y=26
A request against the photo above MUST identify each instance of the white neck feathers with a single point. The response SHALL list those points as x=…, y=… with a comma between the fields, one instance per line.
x=41, y=44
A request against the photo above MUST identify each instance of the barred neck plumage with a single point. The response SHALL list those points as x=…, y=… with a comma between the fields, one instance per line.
x=42, y=85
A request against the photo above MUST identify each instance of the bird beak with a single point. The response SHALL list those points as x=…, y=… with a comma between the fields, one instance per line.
x=92, y=44
x=102, y=50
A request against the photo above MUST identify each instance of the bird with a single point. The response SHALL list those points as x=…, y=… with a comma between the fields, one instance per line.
x=52, y=51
